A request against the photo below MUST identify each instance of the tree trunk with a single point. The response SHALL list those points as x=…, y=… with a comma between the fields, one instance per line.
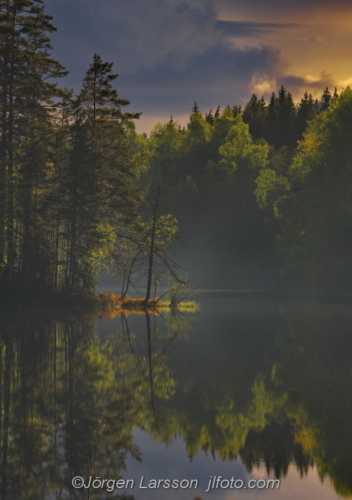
x=152, y=244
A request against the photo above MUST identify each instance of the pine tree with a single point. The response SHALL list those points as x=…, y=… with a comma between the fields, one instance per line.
x=100, y=189
x=98, y=98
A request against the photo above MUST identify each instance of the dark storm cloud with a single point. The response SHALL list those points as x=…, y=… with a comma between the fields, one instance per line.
x=168, y=53
x=141, y=35
x=135, y=34
x=220, y=75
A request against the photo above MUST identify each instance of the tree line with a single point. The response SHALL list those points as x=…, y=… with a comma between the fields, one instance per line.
x=263, y=194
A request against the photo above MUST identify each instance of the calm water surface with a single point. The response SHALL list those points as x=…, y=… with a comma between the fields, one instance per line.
x=247, y=387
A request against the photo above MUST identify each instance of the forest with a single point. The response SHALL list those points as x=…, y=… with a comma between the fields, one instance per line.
x=258, y=197
x=252, y=197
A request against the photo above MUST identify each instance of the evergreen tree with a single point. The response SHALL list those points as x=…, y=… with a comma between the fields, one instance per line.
x=307, y=110
x=98, y=99
x=101, y=192
x=285, y=129
x=196, y=143
x=237, y=110
x=254, y=114
x=217, y=112
x=272, y=118
x=195, y=110
x=27, y=98
x=209, y=117
x=325, y=99
x=280, y=123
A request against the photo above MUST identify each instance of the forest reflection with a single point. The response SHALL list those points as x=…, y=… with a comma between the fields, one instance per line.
x=72, y=397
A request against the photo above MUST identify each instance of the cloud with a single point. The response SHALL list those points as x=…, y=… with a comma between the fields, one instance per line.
x=276, y=6
x=311, y=84
x=164, y=50
x=139, y=35
x=262, y=84
x=170, y=53
x=346, y=83
x=242, y=29
x=219, y=75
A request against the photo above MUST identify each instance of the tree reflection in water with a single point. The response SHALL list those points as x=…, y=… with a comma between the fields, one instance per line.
x=71, y=399
x=70, y=402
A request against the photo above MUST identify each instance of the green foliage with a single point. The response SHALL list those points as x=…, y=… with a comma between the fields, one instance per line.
x=270, y=187
x=307, y=110
x=98, y=100
x=70, y=180
x=74, y=174
x=71, y=404
x=166, y=145
x=144, y=251
x=100, y=192
x=178, y=292
x=317, y=213
x=239, y=150
x=28, y=106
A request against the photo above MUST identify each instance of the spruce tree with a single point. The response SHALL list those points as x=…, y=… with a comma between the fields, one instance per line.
x=254, y=114
x=237, y=110
x=271, y=122
x=195, y=111
x=307, y=110
x=285, y=133
x=325, y=99
x=209, y=118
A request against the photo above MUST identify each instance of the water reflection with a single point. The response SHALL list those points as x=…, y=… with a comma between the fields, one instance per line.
x=266, y=384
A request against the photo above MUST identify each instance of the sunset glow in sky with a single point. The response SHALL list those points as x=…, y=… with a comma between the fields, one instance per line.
x=171, y=53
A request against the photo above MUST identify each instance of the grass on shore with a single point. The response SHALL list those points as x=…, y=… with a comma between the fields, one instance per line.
x=127, y=304
x=103, y=304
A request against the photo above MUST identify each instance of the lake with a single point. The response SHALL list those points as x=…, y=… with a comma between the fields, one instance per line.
x=219, y=404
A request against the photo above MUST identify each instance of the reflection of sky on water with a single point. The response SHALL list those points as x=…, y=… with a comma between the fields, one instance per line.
x=171, y=462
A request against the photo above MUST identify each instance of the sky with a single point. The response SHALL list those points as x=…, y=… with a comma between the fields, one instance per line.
x=172, y=53
x=171, y=462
